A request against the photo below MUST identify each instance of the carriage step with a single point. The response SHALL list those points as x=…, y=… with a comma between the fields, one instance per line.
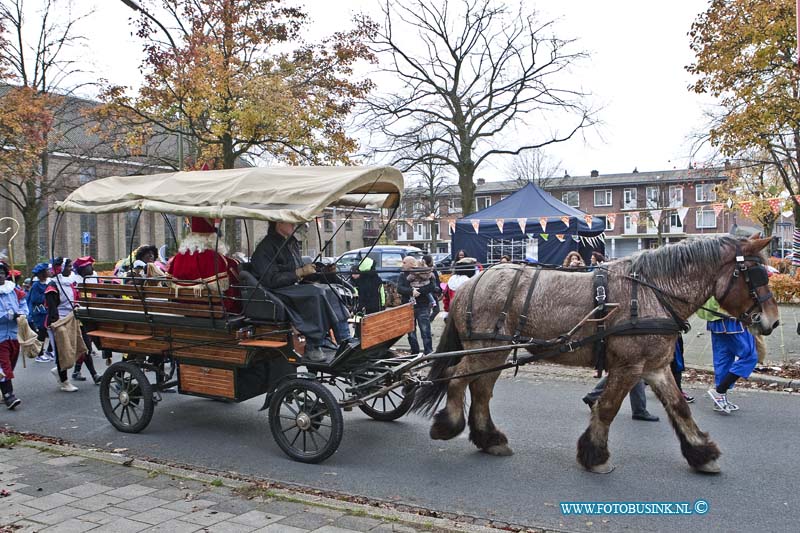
x=262, y=343
x=118, y=335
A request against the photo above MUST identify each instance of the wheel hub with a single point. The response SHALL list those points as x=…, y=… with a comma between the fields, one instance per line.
x=303, y=421
x=124, y=398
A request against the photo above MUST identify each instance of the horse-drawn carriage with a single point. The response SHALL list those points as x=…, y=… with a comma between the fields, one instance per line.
x=174, y=335
x=633, y=308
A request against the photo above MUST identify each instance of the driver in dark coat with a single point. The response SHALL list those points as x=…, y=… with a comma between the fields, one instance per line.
x=313, y=308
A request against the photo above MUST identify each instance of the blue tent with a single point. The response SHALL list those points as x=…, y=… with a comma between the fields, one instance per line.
x=530, y=203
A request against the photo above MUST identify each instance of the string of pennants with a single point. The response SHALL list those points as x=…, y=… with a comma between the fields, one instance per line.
x=776, y=204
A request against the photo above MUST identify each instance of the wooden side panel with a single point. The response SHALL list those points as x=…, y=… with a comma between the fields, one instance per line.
x=207, y=380
x=385, y=325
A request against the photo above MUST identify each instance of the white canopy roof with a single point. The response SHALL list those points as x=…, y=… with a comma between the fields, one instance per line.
x=291, y=194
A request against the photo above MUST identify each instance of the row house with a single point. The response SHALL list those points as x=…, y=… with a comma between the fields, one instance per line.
x=641, y=209
x=646, y=209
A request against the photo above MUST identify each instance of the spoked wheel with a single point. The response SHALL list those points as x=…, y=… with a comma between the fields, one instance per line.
x=127, y=397
x=305, y=420
x=390, y=406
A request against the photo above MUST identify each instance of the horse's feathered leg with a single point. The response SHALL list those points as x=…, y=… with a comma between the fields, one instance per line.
x=593, y=444
x=483, y=433
x=700, y=452
x=450, y=421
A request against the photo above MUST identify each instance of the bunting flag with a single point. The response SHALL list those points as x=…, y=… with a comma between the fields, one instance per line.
x=588, y=220
x=717, y=209
x=476, y=224
x=452, y=225
x=560, y=237
x=543, y=223
x=500, y=222
x=682, y=214
x=565, y=220
x=635, y=218
x=746, y=208
x=410, y=222
x=612, y=219
x=775, y=204
x=544, y=236
x=523, y=222
x=656, y=216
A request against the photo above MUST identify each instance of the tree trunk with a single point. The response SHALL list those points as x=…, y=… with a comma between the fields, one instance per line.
x=229, y=226
x=467, y=186
x=30, y=218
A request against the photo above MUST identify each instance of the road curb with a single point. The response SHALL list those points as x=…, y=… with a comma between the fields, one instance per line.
x=382, y=510
x=784, y=383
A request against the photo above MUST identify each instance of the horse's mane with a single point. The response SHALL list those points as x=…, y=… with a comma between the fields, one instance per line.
x=683, y=256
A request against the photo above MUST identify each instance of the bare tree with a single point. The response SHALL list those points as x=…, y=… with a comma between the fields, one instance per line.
x=38, y=116
x=478, y=72
x=533, y=166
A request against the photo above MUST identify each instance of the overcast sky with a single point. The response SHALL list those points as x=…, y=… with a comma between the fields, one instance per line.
x=636, y=74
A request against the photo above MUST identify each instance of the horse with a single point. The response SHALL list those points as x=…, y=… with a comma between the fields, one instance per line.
x=662, y=286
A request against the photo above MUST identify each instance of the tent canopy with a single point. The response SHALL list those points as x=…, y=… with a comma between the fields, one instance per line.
x=526, y=207
x=291, y=194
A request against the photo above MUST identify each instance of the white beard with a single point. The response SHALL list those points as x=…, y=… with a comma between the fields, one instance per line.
x=200, y=242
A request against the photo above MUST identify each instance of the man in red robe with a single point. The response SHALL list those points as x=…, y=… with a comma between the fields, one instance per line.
x=202, y=261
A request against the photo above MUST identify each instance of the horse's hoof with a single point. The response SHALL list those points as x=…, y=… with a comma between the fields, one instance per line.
x=711, y=467
x=605, y=468
x=499, y=450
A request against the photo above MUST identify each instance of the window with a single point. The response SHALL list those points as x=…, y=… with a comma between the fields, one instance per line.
x=402, y=229
x=88, y=221
x=602, y=197
x=705, y=193
x=675, y=196
x=629, y=225
x=418, y=229
x=131, y=221
x=571, y=198
x=391, y=259
x=327, y=223
x=609, y=226
x=629, y=199
x=348, y=225
x=172, y=233
x=706, y=218
x=347, y=244
x=367, y=223
x=482, y=202
x=675, y=223
x=454, y=204
x=651, y=225
x=652, y=197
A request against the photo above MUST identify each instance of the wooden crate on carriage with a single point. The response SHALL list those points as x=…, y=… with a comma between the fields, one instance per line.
x=386, y=325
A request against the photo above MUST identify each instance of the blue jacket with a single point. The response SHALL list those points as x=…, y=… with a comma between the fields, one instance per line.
x=38, y=312
x=10, y=303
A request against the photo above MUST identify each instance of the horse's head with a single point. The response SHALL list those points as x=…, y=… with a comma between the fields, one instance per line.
x=742, y=288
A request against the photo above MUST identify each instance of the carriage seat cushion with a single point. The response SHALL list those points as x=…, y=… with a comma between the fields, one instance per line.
x=258, y=302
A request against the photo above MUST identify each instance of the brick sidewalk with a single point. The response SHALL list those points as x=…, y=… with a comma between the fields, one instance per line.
x=56, y=489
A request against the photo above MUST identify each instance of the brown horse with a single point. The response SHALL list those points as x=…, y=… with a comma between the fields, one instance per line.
x=686, y=274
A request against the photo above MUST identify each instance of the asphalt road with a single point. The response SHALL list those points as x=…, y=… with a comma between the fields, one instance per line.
x=397, y=461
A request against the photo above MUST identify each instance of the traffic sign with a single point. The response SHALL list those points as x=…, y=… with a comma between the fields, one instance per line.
x=87, y=237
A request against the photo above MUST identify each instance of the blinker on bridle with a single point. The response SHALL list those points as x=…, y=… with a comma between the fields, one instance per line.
x=755, y=276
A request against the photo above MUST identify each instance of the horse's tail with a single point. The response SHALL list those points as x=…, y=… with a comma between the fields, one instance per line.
x=428, y=397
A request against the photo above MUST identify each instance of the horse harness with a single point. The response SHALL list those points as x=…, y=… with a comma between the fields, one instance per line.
x=546, y=348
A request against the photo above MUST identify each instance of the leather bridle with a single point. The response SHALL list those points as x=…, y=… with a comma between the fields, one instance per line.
x=755, y=276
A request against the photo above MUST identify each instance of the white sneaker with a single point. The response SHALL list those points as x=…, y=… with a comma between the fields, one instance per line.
x=68, y=387
x=54, y=371
x=720, y=402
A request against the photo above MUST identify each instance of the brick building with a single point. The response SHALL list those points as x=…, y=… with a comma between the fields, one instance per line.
x=641, y=209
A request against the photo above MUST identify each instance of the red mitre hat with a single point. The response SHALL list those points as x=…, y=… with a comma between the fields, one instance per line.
x=202, y=225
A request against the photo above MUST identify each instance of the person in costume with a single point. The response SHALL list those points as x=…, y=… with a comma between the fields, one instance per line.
x=83, y=271
x=12, y=306
x=734, y=352
x=463, y=269
x=313, y=308
x=60, y=298
x=202, y=261
x=38, y=312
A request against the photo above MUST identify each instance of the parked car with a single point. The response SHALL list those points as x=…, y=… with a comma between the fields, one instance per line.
x=442, y=261
x=388, y=260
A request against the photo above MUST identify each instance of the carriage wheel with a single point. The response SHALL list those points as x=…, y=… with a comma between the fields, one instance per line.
x=390, y=406
x=126, y=397
x=305, y=420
